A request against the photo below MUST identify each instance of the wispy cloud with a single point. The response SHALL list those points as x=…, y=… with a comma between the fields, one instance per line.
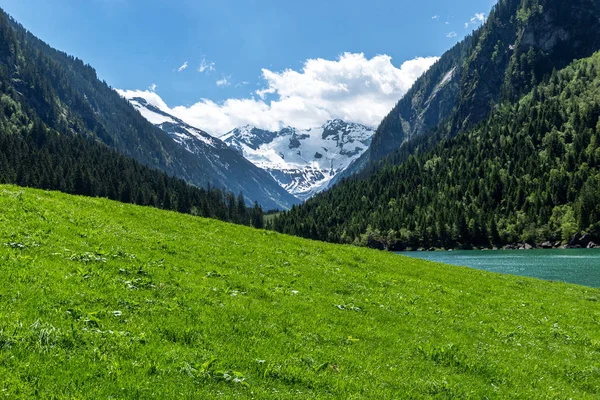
x=152, y=87
x=184, y=66
x=478, y=19
x=206, y=66
x=451, y=34
x=435, y=17
x=224, y=82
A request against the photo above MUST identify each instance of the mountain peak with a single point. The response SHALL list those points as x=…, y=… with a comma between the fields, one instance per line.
x=248, y=135
x=225, y=164
x=337, y=121
x=340, y=123
x=303, y=161
x=246, y=128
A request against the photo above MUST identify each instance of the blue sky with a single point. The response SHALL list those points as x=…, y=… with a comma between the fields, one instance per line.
x=135, y=44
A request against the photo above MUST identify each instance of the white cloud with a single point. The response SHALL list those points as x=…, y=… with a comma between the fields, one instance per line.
x=353, y=88
x=476, y=20
x=225, y=81
x=151, y=97
x=479, y=17
x=451, y=34
x=206, y=66
x=435, y=17
x=184, y=66
x=152, y=87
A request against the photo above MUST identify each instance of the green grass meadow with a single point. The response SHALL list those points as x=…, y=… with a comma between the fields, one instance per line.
x=103, y=300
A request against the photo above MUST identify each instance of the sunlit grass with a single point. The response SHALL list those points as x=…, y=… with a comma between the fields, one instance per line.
x=104, y=300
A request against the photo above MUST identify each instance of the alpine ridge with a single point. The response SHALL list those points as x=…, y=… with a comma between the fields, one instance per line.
x=230, y=169
x=303, y=162
x=521, y=42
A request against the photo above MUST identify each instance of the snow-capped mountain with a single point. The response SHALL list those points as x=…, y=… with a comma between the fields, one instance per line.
x=184, y=134
x=304, y=162
x=223, y=166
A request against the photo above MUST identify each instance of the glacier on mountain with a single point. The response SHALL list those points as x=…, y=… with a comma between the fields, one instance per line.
x=304, y=162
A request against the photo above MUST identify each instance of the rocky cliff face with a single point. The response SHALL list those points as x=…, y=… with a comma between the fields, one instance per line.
x=520, y=44
x=429, y=101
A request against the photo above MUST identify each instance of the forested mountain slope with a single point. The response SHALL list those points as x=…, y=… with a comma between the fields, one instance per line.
x=71, y=159
x=34, y=156
x=520, y=44
x=68, y=97
x=528, y=173
x=430, y=100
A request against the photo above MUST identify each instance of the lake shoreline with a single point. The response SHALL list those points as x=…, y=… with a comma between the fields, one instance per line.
x=578, y=241
x=577, y=266
x=518, y=246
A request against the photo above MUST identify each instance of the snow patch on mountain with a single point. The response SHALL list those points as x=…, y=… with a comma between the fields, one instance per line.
x=179, y=131
x=304, y=162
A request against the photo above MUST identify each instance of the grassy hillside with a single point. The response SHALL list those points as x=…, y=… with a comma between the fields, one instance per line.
x=104, y=300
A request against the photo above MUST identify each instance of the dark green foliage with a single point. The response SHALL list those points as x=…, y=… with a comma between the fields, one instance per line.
x=37, y=157
x=257, y=216
x=530, y=173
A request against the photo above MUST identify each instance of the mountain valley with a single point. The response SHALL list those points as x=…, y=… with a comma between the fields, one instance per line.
x=156, y=252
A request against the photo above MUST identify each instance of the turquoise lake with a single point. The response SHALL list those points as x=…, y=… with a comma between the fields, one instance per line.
x=579, y=266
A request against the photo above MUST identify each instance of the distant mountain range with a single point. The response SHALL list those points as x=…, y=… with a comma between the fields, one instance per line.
x=304, y=162
x=227, y=167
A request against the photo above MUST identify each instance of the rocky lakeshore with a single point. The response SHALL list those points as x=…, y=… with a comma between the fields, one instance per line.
x=578, y=241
